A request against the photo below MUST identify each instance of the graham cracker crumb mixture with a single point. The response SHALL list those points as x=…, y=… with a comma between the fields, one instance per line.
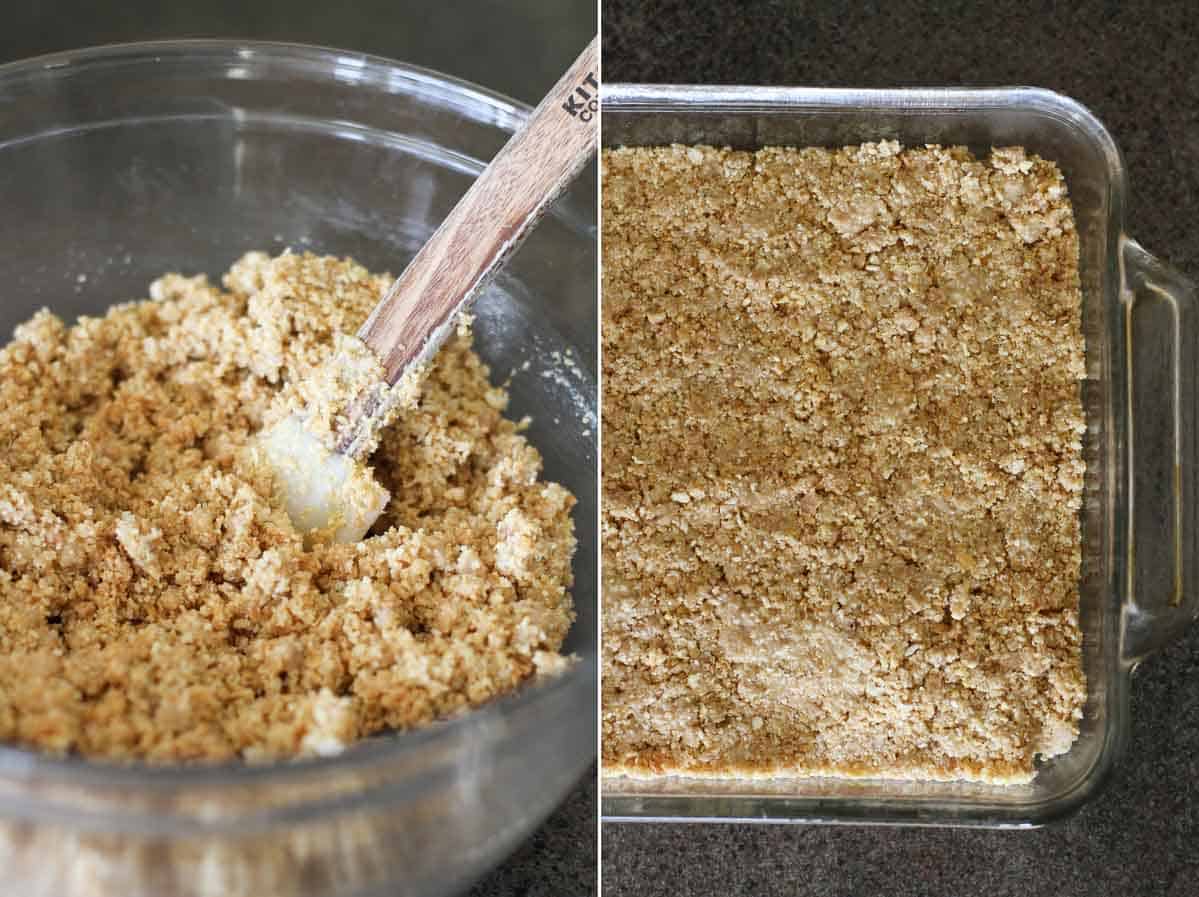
x=156, y=603
x=842, y=462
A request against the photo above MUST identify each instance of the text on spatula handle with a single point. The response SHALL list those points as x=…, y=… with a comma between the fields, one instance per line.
x=583, y=103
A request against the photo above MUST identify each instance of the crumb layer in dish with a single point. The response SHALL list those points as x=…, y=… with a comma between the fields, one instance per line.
x=842, y=462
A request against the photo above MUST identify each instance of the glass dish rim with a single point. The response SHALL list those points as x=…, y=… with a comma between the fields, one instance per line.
x=475, y=102
x=897, y=810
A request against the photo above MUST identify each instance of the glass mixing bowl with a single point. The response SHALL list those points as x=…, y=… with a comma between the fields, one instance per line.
x=120, y=163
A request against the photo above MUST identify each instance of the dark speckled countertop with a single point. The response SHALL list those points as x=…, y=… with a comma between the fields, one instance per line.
x=518, y=48
x=1136, y=64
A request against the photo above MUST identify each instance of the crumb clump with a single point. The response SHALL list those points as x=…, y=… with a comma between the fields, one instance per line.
x=156, y=604
x=354, y=378
x=842, y=462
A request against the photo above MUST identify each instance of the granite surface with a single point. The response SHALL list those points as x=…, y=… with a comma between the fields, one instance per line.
x=1136, y=64
x=517, y=48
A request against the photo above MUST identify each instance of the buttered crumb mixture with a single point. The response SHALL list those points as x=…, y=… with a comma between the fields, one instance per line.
x=842, y=462
x=155, y=601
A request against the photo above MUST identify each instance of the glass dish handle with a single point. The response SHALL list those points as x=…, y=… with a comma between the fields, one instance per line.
x=1162, y=332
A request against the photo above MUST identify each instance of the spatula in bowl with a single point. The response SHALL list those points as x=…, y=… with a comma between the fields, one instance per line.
x=320, y=469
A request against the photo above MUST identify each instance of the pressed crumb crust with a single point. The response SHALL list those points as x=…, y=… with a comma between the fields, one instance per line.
x=156, y=603
x=842, y=462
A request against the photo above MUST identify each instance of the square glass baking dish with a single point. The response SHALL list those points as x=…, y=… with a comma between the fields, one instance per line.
x=1139, y=527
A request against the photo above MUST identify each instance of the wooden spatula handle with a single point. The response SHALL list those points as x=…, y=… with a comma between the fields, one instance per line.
x=489, y=221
